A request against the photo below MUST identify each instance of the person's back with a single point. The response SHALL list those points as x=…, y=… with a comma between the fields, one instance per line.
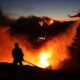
x=17, y=54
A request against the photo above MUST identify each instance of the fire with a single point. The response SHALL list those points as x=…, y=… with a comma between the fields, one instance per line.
x=41, y=23
x=44, y=60
x=48, y=21
x=53, y=53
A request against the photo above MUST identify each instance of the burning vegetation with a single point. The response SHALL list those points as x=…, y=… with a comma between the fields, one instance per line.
x=44, y=41
x=46, y=20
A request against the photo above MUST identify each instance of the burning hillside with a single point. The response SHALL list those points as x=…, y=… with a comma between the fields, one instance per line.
x=53, y=52
x=44, y=41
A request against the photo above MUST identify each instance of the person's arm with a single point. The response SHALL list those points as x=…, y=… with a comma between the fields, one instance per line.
x=21, y=52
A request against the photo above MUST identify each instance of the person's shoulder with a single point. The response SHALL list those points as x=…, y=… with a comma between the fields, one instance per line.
x=20, y=49
x=13, y=49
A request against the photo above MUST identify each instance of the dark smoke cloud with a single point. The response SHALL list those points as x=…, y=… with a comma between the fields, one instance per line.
x=75, y=51
x=31, y=29
x=4, y=19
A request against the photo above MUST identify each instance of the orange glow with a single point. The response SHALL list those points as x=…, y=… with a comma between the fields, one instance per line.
x=41, y=23
x=44, y=60
x=50, y=21
x=53, y=53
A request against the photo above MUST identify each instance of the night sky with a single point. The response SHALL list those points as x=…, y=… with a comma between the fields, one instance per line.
x=58, y=9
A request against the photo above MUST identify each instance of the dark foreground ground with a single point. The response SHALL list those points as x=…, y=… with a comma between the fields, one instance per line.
x=10, y=72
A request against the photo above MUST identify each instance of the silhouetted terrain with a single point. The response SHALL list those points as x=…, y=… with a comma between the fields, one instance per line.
x=30, y=30
x=10, y=72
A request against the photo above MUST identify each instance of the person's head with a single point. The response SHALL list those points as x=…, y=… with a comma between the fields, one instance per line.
x=16, y=45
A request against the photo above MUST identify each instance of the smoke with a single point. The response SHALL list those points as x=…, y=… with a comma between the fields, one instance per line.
x=31, y=29
x=53, y=39
x=4, y=19
x=58, y=47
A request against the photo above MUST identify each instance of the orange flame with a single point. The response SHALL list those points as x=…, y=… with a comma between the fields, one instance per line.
x=52, y=53
x=44, y=60
x=48, y=22
x=55, y=51
x=41, y=23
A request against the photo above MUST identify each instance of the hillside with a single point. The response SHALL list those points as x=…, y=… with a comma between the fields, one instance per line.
x=10, y=72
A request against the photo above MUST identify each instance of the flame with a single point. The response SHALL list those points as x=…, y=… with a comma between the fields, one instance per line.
x=44, y=60
x=48, y=21
x=52, y=53
x=41, y=23
x=55, y=51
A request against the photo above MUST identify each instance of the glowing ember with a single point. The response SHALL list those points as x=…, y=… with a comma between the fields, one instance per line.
x=41, y=23
x=50, y=21
x=44, y=60
x=47, y=21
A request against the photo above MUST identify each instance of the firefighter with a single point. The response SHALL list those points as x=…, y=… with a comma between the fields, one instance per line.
x=17, y=55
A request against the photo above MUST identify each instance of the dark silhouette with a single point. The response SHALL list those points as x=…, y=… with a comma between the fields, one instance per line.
x=77, y=15
x=26, y=72
x=17, y=55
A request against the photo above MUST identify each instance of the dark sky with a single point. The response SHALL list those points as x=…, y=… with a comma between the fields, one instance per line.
x=58, y=9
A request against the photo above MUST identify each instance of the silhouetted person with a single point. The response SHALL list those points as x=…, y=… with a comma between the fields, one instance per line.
x=17, y=55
